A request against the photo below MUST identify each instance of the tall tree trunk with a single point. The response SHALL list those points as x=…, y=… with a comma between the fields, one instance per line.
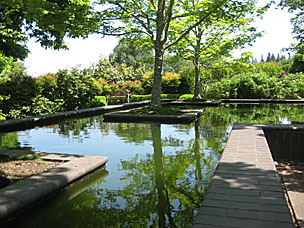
x=158, y=67
x=197, y=64
x=197, y=80
x=159, y=41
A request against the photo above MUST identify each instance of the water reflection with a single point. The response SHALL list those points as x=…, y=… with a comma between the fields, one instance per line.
x=67, y=209
x=156, y=176
x=161, y=189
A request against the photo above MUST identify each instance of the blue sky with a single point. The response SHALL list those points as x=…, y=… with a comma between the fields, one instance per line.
x=275, y=24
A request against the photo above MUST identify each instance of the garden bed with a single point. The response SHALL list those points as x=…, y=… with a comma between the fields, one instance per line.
x=14, y=169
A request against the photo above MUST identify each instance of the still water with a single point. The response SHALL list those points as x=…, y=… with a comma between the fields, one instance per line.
x=156, y=175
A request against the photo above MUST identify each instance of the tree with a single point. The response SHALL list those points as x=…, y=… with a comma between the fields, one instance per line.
x=272, y=58
x=278, y=58
x=217, y=36
x=155, y=22
x=298, y=25
x=268, y=59
x=49, y=21
x=129, y=53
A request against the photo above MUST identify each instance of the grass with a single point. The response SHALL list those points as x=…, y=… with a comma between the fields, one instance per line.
x=161, y=111
x=16, y=158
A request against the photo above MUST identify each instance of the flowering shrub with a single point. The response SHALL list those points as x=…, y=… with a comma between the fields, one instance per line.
x=171, y=82
x=147, y=82
x=133, y=87
x=48, y=86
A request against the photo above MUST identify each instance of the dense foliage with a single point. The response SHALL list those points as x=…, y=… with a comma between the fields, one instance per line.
x=47, y=21
x=259, y=86
x=22, y=95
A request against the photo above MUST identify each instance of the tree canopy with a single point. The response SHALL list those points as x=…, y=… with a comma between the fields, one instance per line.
x=297, y=7
x=48, y=21
x=129, y=53
x=215, y=39
x=161, y=24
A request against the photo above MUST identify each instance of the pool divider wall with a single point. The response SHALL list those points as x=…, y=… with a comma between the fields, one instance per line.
x=258, y=101
x=43, y=120
x=286, y=142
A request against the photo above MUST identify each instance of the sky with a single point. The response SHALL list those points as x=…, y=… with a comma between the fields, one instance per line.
x=83, y=52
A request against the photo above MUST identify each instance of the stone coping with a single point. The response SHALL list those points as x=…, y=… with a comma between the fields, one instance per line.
x=20, y=195
x=284, y=127
x=43, y=120
x=164, y=119
x=245, y=190
x=122, y=116
x=192, y=103
x=257, y=101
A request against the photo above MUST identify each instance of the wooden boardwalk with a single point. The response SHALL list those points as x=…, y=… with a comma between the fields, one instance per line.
x=245, y=190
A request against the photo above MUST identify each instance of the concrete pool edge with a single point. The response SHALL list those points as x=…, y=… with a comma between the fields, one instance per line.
x=20, y=195
x=245, y=190
x=48, y=119
x=33, y=121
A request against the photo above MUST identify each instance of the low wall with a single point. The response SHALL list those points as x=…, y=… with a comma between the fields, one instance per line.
x=286, y=142
x=43, y=120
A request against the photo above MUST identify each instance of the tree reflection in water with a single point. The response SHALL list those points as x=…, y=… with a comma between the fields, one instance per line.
x=161, y=171
x=160, y=189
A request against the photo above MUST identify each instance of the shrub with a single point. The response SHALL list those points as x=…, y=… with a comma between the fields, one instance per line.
x=42, y=105
x=243, y=86
x=108, y=88
x=100, y=101
x=47, y=85
x=76, y=89
x=21, y=90
x=187, y=78
x=259, y=86
x=2, y=115
x=134, y=87
x=171, y=82
x=272, y=69
x=169, y=96
x=291, y=87
x=147, y=82
x=163, y=96
x=186, y=96
x=296, y=65
x=135, y=98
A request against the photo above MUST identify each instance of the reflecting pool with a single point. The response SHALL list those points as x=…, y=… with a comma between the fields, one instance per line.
x=156, y=175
